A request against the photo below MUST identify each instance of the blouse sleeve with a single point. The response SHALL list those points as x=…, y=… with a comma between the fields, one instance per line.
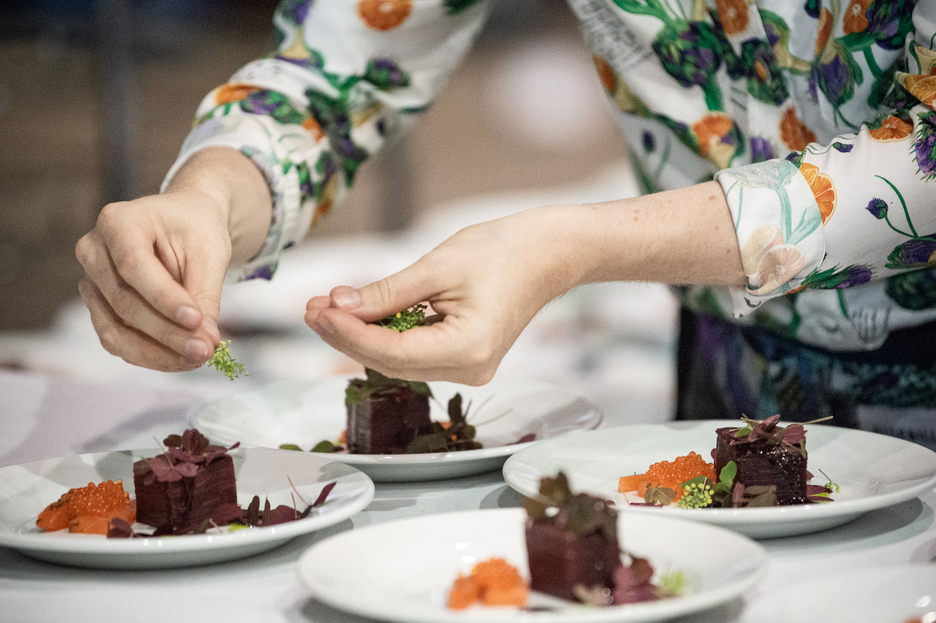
x=345, y=76
x=860, y=208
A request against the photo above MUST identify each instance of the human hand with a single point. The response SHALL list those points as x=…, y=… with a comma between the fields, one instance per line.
x=486, y=282
x=153, y=270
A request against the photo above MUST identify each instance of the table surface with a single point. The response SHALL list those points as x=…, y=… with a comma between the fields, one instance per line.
x=44, y=416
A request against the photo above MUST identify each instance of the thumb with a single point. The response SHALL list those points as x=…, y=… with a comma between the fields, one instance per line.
x=382, y=298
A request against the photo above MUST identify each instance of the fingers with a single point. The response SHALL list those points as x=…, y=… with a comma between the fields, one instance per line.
x=127, y=343
x=448, y=349
x=153, y=295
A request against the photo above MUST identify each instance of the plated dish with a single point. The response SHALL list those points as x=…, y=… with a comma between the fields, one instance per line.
x=26, y=489
x=874, y=471
x=890, y=594
x=402, y=570
x=306, y=412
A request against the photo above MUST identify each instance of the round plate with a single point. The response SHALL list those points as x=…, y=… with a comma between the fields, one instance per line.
x=874, y=471
x=25, y=490
x=403, y=570
x=890, y=594
x=306, y=412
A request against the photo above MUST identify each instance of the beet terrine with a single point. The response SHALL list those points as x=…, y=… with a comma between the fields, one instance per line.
x=575, y=547
x=387, y=420
x=190, y=484
x=763, y=463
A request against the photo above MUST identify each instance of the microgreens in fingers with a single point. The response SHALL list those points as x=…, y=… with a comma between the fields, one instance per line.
x=406, y=319
x=222, y=360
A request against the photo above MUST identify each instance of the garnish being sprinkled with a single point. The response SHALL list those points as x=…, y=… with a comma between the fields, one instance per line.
x=223, y=361
x=406, y=319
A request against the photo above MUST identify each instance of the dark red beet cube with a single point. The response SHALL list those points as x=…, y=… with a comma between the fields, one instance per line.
x=178, y=507
x=760, y=463
x=387, y=421
x=560, y=560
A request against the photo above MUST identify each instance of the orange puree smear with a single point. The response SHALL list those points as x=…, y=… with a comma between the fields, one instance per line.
x=89, y=510
x=669, y=474
x=493, y=582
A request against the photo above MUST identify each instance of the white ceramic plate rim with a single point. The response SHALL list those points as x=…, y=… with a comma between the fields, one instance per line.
x=190, y=543
x=517, y=475
x=198, y=416
x=753, y=559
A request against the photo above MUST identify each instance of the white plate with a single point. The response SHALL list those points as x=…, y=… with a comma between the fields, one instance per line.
x=307, y=412
x=874, y=471
x=890, y=594
x=25, y=490
x=403, y=570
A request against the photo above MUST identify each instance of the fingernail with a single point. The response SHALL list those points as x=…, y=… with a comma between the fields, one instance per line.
x=187, y=316
x=197, y=350
x=347, y=299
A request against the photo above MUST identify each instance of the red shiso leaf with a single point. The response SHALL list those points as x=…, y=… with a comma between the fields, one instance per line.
x=794, y=433
x=324, y=494
x=737, y=494
x=163, y=470
x=632, y=583
x=188, y=470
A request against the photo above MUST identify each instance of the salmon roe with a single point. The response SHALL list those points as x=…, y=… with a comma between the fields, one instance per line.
x=493, y=582
x=673, y=473
x=89, y=509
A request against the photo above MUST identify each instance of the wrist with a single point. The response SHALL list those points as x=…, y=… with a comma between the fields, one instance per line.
x=234, y=185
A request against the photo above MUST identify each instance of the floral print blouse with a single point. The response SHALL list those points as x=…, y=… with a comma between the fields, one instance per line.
x=815, y=116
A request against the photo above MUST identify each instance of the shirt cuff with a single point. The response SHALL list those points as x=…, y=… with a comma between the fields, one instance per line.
x=779, y=229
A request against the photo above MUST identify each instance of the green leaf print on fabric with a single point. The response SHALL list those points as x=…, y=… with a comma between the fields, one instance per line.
x=385, y=74
x=333, y=118
x=838, y=278
x=914, y=290
x=453, y=7
x=764, y=80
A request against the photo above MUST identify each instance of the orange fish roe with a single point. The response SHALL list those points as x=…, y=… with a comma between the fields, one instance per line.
x=493, y=582
x=89, y=509
x=670, y=474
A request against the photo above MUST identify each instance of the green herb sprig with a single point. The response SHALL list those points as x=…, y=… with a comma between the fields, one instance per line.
x=406, y=319
x=223, y=361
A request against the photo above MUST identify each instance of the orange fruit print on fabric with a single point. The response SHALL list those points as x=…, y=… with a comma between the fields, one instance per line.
x=891, y=129
x=384, y=14
x=822, y=187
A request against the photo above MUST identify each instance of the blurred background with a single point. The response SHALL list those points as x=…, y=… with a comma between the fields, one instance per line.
x=96, y=97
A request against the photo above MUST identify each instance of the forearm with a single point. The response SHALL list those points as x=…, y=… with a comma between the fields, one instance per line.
x=235, y=184
x=678, y=237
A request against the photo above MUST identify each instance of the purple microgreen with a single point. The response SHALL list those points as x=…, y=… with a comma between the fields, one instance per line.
x=323, y=495
x=526, y=438
x=632, y=583
x=117, y=528
x=457, y=435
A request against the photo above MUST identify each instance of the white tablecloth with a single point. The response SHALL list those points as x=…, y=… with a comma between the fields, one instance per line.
x=42, y=416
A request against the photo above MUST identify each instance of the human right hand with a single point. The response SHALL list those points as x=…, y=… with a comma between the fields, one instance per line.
x=154, y=266
x=153, y=270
